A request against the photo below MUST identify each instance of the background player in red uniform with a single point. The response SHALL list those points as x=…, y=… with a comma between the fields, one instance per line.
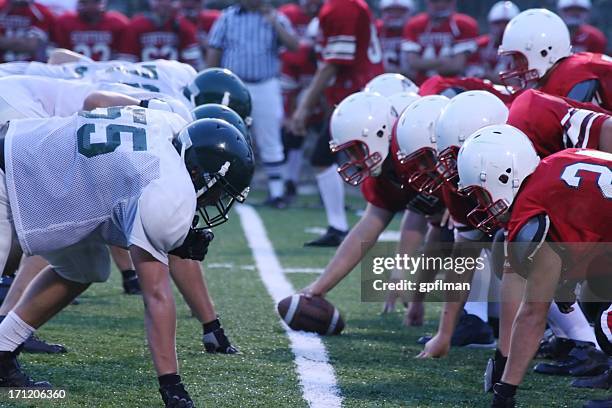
x=91, y=31
x=438, y=41
x=351, y=56
x=203, y=19
x=161, y=34
x=393, y=16
x=25, y=28
x=541, y=219
x=585, y=37
x=486, y=62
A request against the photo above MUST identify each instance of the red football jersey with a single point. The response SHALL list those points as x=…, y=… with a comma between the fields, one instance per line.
x=459, y=206
x=174, y=40
x=455, y=35
x=297, y=16
x=205, y=21
x=589, y=39
x=386, y=192
x=573, y=188
x=349, y=40
x=554, y=123
x=27, y=20
x=99, y=41
x=438, y=85
x=578, y=68
x=391, y=42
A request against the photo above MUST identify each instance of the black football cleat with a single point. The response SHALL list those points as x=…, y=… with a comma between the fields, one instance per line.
x=34, y=344
x=217, y=342
x=11, y=375
x=583, y=360
x=602, y=381
x=290, y=191
x=555, y=348
x=278, y=203
x=471, y=332
x=175, y=396
x=332, y=238
x=607, y=403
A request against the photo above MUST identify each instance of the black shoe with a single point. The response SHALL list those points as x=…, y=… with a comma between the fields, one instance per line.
x=602, y=381
x=35, y=345
x=12, y=376
x=175, y=396
x=555, y=348
x=290, y=191
x=583, y=360
x=278, y=203
x=607, y=403
x=131, y=286
x=217, y=342
x=332, y=238
x=471, y=332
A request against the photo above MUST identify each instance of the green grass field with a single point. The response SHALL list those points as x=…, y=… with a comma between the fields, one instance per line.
x=109, y=365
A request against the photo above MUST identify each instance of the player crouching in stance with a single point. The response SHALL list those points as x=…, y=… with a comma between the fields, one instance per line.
x=549, y=242
x=129, y=177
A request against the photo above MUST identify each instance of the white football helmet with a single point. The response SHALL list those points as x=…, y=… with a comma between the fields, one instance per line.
x=361, y=127
x=492, y=164
x=414, y=140
x=563, y=4
x=574, y=12
x=534, y=40
x=407, y=4
x=464, y=114
x=389, y=84
x=503, y=11
x=402, y=100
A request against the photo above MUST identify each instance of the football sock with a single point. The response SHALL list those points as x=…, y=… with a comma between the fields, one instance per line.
x=477, y=301
x=573, y=325
x=276, y=186
x=211, y=326
x=128, y=274
x=13, y=332
x=295, y=157
x=169, y=379
x=331, y=188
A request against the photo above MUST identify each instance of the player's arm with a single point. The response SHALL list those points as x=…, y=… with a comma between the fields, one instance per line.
x=358, y=241
x=63, y=56
x=213, y=57
x=312, y=95
x=452, y=65
x=105, y=99
x=283, y=29
x=530, y=321
x=605, y=136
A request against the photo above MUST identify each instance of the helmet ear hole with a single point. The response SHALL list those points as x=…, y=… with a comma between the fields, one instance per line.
x=543, y=53
x=503, y=178
x=380, y=133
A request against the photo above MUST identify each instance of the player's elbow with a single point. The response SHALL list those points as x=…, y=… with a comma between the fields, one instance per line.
x=94, y=100
x=605, y=139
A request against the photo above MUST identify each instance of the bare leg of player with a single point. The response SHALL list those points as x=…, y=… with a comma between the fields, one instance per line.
x=188, y=277
x=30, y=267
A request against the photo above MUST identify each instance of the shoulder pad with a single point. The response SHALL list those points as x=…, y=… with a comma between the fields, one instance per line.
x=584, y=91
x=527, y=242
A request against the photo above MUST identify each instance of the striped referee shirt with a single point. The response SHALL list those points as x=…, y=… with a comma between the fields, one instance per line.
x=249, y=43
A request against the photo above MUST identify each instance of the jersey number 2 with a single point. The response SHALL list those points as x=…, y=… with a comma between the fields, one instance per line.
x=113, y=132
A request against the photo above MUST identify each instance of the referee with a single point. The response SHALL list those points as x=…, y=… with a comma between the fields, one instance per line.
x=247, y=39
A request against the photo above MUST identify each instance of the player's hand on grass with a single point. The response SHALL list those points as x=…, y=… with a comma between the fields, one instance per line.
x=414, y=314
x=392, y=298
x=437, y=347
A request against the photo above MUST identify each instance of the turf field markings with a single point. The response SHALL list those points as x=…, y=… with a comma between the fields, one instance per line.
x=387, y=236
x=316, y=375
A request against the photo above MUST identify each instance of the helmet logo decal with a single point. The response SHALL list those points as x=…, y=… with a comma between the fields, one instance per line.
x=226, y=99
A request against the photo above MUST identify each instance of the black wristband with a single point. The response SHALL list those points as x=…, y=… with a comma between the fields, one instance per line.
x=144, y=103
x=167, y=380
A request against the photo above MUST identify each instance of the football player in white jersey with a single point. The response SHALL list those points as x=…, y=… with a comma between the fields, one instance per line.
x=130, y=177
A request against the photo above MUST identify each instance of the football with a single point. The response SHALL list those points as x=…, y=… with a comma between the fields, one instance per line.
x=311, y=314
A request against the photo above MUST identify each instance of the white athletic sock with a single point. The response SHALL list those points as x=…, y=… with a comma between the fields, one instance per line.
x=13, y=332
x=573, y=325
x=331, y=188
x=276, y=186
x=295, y=157
x=479, y=292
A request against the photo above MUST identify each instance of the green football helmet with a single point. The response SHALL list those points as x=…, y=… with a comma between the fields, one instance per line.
x=222, y=86
x=221, y=165
x=216, y=111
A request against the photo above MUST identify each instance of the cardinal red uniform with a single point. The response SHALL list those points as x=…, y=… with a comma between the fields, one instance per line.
x=448, y=86
x=99, y=41
x=298, y=17
x=577, y=68
x=554, y=123
x=24, y=20
x=589, y=39
x=176, y=39
x=573, y=188
x=204, y=23
x=454, y=36
x=391, y=42
x=349, y=40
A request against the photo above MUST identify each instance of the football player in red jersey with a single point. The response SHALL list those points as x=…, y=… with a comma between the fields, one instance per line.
x=393, y=16
x=449, y=87
x=91, y=31
x=486, y=62
x=351, y=56
x=438, y=41
x=549, y=240
x=203, y=19
x=538, y=43
x=554, y=123
x=161, y=34
x=585, y=37
x=25, y=28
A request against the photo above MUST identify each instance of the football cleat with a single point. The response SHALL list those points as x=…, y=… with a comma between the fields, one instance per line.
x=217, y=342
x=34, y=344
x=471, y=332
x=602, y=381
x=501, y=397
x=583, y=360
x=12, y=376
x=332, y=238
x=494, y=371
x=607, y=403
x=175, y=396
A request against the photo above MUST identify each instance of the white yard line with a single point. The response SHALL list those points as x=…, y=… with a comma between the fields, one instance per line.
x=315, y=373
